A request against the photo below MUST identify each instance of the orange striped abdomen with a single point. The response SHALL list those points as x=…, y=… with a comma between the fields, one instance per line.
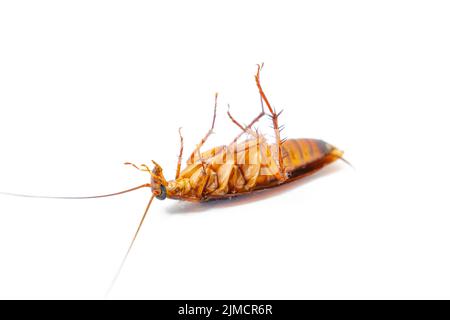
x=304, y=155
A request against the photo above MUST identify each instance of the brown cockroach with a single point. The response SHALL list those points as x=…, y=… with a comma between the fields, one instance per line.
x=237, y=168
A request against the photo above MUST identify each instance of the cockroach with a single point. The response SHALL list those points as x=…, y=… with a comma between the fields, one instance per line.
x=235, y=169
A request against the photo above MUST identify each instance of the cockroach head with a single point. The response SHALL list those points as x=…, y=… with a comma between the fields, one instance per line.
x=158, y=182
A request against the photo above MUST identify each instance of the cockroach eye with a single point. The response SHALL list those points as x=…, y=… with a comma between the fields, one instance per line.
x=162, y=194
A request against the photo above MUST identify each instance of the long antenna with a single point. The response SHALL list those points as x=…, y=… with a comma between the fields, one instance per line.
x=146, y=185
x=131, y=245
x=74, y=198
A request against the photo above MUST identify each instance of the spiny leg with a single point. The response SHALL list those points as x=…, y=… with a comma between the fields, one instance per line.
x=202, y=142
x=274, y=117
x=234, y=120
x=248, y=127
x=244, y=129
x=259, y=138
x=180, y=156
x=256, y=135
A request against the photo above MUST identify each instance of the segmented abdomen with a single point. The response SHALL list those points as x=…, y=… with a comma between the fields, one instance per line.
x=301, y=152
x=304, y=155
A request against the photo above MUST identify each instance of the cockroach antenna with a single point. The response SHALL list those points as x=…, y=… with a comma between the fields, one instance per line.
x=146, y=185
x=113, y=282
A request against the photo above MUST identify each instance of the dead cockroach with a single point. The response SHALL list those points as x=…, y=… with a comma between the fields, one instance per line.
x=235, y=169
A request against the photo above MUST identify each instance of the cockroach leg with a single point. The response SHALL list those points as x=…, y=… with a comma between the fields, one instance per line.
x=274, y=117
x=180, y=156
x=244, y=129
x=234, y=120
x=202, y=142
x=157, y=170
x=248, y=127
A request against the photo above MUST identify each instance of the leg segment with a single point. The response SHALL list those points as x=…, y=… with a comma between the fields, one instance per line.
x=202, y=142
x=274, y=117
x=234, y=120
x=246, y=128
x=180, y=156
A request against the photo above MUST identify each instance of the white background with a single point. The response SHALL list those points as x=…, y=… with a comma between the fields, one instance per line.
x=87, y=85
